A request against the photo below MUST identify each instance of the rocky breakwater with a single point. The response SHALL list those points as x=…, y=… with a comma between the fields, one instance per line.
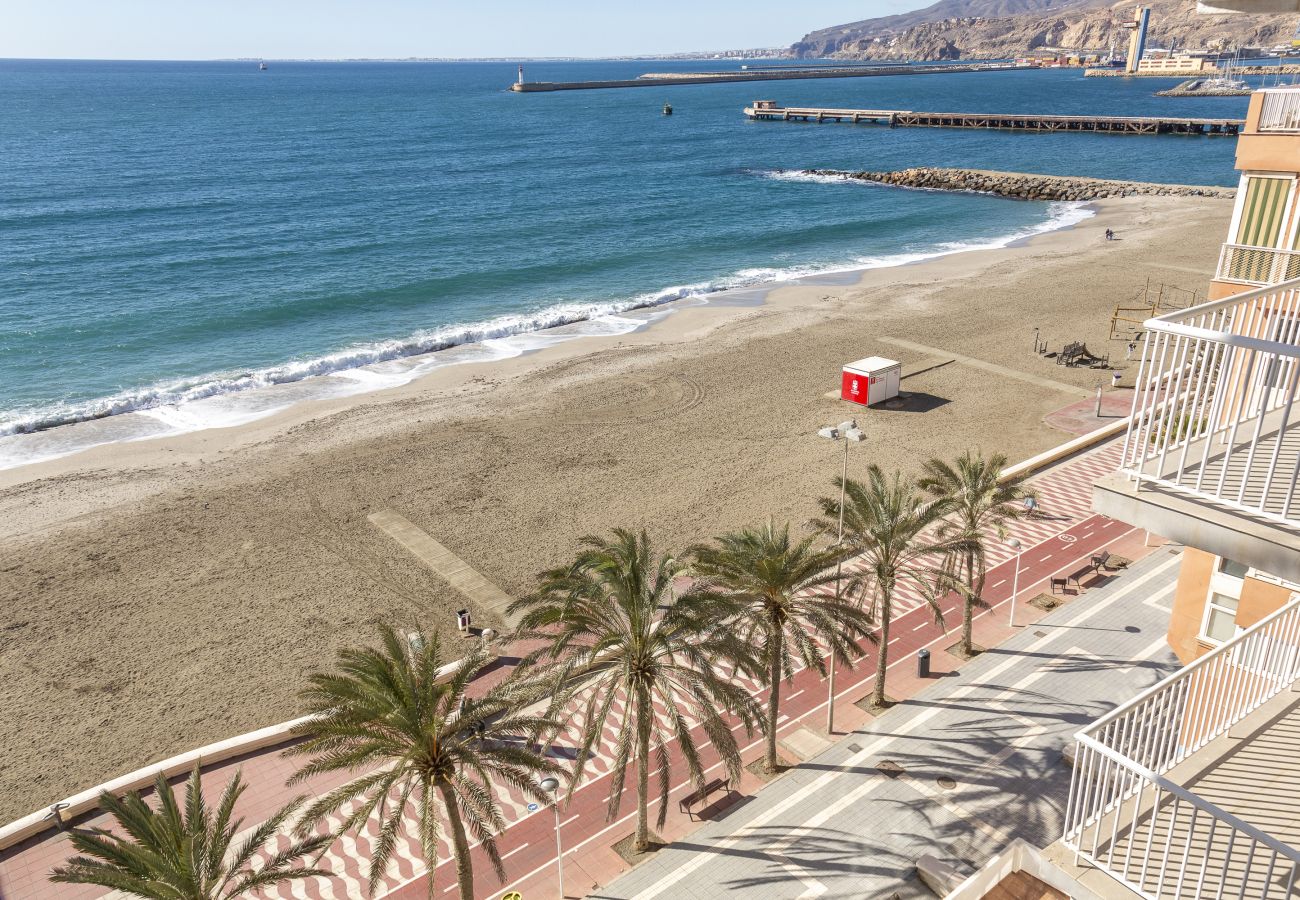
x=1023, y=185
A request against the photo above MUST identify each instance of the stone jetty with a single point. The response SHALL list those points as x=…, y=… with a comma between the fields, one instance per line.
x=1023, y=185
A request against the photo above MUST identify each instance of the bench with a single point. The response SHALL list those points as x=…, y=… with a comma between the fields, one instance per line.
x=1078, y=354
x=1100, y=560
x=1069, y=355
x=696, y=796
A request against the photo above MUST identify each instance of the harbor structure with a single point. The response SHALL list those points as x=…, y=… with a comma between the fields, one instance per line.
x=1137, y=41
x=768, y=110
x=668, y=79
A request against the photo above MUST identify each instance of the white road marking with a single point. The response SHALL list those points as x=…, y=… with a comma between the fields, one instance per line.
x=853, y=796
x=514, y=851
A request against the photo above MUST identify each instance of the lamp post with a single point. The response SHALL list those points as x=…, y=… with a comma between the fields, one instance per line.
x=846, y=432
x=1014, y=544
x=552, y=787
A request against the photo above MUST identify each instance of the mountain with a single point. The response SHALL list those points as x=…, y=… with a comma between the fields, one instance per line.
x=828, y=41
x=972, y=29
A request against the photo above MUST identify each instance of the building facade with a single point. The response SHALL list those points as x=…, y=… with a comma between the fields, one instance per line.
x=1213, y=454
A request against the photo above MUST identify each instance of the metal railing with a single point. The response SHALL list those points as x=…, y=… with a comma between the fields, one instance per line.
x=1146, y=830
x=1213, y=412
x=1257, y=265
x=1280, y=110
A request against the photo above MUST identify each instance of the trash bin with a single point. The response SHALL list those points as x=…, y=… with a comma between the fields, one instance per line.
x=923, y=664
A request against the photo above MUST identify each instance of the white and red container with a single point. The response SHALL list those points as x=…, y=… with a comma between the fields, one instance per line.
x=871, y=380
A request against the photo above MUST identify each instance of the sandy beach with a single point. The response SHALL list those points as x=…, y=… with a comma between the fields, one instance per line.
x=164, y=594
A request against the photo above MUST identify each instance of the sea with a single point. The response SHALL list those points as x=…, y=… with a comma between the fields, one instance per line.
x=190, y=245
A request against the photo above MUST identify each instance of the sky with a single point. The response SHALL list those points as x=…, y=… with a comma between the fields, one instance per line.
x=292, y=29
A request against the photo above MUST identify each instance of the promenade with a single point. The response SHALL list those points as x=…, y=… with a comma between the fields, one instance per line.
x=1056, y=542
x=956, y=772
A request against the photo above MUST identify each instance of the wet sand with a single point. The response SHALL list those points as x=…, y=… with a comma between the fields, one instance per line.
x=164, y=594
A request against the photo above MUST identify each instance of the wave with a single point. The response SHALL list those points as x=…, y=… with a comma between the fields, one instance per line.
x=163, y=398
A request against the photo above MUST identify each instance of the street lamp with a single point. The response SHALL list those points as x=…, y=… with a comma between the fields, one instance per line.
x=1015, y=579
x=552, y=787
x=848, y=432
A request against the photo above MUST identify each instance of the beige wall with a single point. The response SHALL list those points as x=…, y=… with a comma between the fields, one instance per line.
x=1189, y=604
x=1258, y=599
x=1263, y=153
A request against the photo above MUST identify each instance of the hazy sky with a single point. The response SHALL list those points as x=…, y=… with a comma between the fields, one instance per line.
x=205, y=29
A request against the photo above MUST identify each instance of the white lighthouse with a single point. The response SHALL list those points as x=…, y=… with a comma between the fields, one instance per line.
x=521, y=75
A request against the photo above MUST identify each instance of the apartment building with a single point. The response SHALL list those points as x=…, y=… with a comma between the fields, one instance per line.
x=1212, y=457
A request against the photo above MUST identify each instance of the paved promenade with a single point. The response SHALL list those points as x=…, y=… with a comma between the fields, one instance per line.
x=837, y=826
x=1055, y=543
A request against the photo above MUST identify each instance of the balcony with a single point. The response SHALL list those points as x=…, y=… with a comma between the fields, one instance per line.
x=1190, y=789
x=1280, y=110
x=1212, y=454
x=1257, y=265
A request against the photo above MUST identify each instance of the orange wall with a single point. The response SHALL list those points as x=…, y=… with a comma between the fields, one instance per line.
x=1220, y=289
x=1189, y=604
x=1258, y=599
x=1268, y=152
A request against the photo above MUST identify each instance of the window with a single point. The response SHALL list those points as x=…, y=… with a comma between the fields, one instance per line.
x=1222, y=600
x=1232, y=569
x=1220, y=618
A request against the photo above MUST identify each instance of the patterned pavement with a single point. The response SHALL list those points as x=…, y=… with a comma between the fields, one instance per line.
x=1057, y=540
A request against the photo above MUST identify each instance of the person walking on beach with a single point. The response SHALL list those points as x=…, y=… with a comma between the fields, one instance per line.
x=1110, y=235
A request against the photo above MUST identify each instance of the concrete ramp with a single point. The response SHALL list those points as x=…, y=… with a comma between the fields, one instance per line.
x=482, y=593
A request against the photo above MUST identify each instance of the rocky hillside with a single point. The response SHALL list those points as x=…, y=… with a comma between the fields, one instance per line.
x=828, y=41
x=1079, y=26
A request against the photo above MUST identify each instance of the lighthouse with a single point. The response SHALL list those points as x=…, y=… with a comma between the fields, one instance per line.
x=521, y=76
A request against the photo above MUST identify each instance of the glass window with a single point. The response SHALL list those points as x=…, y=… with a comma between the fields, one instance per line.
x=1221, y=617
x=1220, y=625
x=1234, y=569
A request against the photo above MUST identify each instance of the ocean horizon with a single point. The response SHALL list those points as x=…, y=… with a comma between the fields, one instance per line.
x=195, y=245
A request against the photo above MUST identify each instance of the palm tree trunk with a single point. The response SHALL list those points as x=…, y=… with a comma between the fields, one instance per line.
x=773, y=698
x=464, y=867
x=642, y=841
x=968, y=608
x=882, y=652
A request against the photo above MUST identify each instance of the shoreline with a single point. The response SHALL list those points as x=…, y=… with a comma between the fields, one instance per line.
x=168, y=593
x=217, y=401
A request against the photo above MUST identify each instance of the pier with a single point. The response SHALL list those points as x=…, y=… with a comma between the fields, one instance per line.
x=901, y=118
x=669, y=79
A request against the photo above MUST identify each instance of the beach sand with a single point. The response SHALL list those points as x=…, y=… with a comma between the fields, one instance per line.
x=165, y=594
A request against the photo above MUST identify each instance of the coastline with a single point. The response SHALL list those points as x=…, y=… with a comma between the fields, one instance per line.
x=225, y=400
x=218, y=566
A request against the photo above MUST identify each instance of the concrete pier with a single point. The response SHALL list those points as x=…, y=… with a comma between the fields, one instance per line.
x=668, y=79
x=902, y=118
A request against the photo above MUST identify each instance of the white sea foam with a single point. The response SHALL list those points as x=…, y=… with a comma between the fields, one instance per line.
x=228, y=399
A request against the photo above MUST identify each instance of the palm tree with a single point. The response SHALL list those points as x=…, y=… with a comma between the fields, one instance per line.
x=884, y=521
x=977, y=503
x=392, y=714
x=186, y=853
x=614, y=633
x=775, y=582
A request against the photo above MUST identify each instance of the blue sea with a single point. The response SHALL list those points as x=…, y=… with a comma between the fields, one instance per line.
x=196, y=244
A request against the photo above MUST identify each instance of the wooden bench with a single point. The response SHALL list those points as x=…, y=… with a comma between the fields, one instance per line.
x=1100, y=560
x=696, y=796
x=1070, y=354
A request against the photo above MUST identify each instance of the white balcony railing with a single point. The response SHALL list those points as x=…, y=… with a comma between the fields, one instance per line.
x=1281, y=110
x=1257, y=265
x=1213, y=414
x=1125, y=816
